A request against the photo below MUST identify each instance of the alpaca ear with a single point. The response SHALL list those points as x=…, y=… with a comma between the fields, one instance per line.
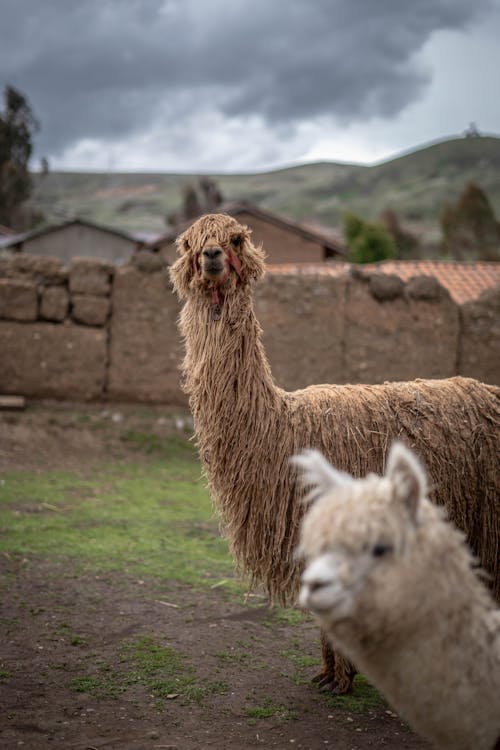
x=181, y=272
x=318, y=475
x=407, y=477
x=252, y=259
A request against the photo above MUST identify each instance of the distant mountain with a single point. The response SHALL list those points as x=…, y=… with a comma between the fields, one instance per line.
x=415, y=185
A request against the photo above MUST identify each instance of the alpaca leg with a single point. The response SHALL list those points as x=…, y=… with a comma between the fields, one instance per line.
x=337, y=673
x=345, y=672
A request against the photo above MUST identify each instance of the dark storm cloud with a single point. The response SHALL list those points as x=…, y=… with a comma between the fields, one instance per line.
x=106, y=69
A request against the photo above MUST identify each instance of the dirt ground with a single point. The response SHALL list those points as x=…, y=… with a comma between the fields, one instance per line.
x=57, y=624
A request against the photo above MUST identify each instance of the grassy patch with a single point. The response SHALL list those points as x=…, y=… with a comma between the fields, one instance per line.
x=149, y=518
x=268, y=709
x=303, y=663
x=154, y=445
x=72, y=638
x=284, y=616
x=160, y=670
x=235, y=657
x=245, y=659
x=300, y=661
x=363, y=697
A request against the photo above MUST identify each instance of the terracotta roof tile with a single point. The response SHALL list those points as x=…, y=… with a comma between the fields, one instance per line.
x=465, y=281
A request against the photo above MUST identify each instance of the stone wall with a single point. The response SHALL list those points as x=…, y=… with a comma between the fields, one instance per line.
x=93, y=331
x=54, y=327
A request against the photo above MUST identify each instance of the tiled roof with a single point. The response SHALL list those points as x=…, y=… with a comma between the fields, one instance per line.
x=465, y=281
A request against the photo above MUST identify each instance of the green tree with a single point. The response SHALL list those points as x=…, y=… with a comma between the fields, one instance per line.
x=17, y=126
x=369, y=241
x=469, y=228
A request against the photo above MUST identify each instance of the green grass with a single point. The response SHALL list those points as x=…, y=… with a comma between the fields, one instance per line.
x=299, y=660
x=154, y=445
x=242, y=658
x=245, y=659
x=284, y=616
x=363, y=697
x=64, y=630
x=268, y=709
x=158, y=669
x=148, y=518
x=304, y=665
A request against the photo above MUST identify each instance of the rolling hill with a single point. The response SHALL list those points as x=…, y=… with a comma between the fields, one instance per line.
x=415, y=185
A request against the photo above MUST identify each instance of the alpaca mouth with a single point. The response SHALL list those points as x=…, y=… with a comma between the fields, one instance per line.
x=213, y=270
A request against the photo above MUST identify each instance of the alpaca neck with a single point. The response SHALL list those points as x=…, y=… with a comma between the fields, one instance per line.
x=225, y=366
x=241, y=421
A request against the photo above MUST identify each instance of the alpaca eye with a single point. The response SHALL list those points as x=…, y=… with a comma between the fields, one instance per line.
x=380, y=550
x=236, y=241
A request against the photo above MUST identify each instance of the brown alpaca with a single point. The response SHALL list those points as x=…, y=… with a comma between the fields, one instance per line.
x=247, y=427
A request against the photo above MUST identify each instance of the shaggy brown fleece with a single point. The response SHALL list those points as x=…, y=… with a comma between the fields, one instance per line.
x=247, y=427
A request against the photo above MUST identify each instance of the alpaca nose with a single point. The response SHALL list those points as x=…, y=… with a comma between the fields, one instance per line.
x=212, y=253
x=320, y=573
x=315, y=585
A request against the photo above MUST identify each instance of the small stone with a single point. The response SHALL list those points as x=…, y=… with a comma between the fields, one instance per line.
x=18, y=300
x=92, y=277
x=385, y=286
x=54, y=303
x=90, y=310
x=425, y=288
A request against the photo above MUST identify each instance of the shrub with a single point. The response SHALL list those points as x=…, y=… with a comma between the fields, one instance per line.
x=369, y=241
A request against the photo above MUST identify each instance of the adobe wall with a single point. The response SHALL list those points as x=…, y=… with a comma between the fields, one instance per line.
x=92, y=331
x=303, y=323
x=365, y=328
x=145, y=348
x=53, y=327
x=479, y=350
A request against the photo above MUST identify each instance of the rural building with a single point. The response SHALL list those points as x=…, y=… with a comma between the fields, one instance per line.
x=284, y=241
x=77, y=238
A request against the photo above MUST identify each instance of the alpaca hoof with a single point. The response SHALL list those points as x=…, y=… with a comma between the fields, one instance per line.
x=327, y=684
x=321, y=679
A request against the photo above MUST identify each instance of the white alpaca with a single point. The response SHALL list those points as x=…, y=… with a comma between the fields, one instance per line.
x=392, y=584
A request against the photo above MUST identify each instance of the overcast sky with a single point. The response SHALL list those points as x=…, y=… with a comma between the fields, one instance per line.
x=246, y=85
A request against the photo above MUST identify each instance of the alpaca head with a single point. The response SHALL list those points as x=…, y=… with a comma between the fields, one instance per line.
x=216, y=256
x=356, y=537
